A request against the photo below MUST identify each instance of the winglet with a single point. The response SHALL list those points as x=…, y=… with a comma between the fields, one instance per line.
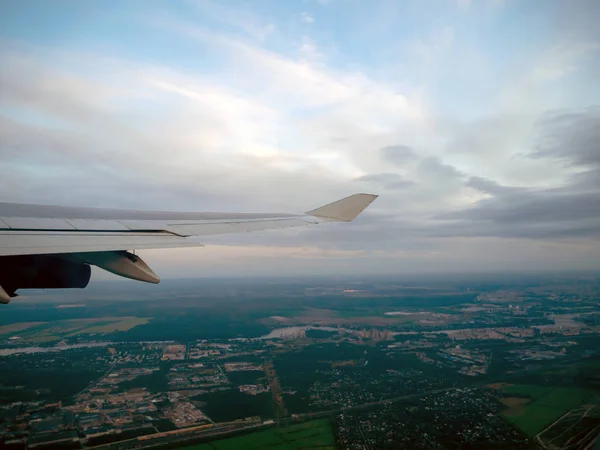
x=344, y=210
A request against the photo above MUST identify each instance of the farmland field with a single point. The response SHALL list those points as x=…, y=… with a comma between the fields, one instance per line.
x=45, y=332
x=16, y=327
x=540, y=405
x=316, y=434
x=114, y=324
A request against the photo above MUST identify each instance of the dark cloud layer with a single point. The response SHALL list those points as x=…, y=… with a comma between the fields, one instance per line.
x=573, y=136
x=492, y=187
x=397, y=155
x=571, y=210
x=391, y=181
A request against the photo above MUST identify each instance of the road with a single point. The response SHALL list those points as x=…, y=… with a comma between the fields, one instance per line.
x=96, y=381
x=307, y=416
x=221, y=434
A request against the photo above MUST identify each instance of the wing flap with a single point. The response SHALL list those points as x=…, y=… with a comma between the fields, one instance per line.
x=97, y=224
x=48, y=223
x=31, y=223
x=53, y=242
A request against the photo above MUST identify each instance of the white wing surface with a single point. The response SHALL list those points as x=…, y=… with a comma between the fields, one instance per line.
x=42, y=229
x=95, y=235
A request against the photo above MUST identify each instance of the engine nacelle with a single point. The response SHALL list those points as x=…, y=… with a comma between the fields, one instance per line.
x=42, y=272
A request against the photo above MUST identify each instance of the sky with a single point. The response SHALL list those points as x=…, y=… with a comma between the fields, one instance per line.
x=476, y=121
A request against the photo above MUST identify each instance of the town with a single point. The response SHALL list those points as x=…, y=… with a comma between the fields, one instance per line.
x=432, y=377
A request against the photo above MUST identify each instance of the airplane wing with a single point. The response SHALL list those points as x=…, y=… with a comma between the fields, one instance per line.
x=45, y=246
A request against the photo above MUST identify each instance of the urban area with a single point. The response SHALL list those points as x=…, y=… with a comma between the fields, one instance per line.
x=352, y=367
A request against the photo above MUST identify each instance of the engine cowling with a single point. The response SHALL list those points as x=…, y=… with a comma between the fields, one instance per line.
x=42, y=272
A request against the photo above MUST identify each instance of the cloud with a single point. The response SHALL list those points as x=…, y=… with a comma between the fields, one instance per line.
x=463, y=4
x=385, y=180
x=563, y=59
x=397, y=154
x=304, y=84
x=249, y=23
x=309, y=50
x=233, y=119
x=200, y=129
x=306, y=18
x=571, y=210
x=492, y=187
x=438, y=42
x=571, y=136
x=575, y=24
x=435, y=167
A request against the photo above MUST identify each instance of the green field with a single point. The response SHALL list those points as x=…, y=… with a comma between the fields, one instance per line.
x=316, y=434
x=548, y=404
x=45, y=332
x=527, y=390
x=112, y=325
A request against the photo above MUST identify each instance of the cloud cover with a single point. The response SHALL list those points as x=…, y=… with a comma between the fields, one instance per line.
x=483, y=144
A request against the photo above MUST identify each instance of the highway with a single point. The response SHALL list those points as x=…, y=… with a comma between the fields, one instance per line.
x=222, y=433
x=96, y=381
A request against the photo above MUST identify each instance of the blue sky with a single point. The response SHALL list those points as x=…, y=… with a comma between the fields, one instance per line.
x=474, y=120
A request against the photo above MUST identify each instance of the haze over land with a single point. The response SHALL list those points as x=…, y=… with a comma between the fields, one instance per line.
x=477, y=122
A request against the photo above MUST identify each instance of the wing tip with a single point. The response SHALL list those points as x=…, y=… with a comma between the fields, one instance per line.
x=346, y=209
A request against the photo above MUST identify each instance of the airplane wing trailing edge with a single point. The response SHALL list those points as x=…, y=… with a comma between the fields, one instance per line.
x=44, y=247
